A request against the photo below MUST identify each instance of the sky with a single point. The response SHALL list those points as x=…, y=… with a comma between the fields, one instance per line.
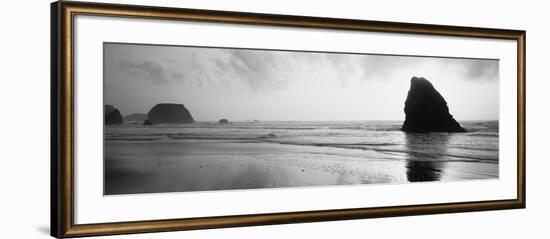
x=245, y=84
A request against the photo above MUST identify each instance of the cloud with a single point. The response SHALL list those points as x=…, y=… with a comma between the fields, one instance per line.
x=157, y=72
x=263, y=70
x=383, y=66
x=152, y=71
x=380, y=67
x=481, y=69
x=177, y=75
x=259, y=70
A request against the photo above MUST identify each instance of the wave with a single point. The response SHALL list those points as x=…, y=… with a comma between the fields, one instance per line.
x=131, y=139
x=484, y=134
x=415, y=153
x=366, y=128
x=473, y=148
x=479, y=145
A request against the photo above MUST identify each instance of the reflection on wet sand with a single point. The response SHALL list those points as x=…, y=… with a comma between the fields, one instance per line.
x=192, y=165
x=422, y=166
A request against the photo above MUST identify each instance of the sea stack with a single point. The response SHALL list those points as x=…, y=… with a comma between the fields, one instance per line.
x=169, y=114
x=426, y=110
x=112, y=115
x=223, y=121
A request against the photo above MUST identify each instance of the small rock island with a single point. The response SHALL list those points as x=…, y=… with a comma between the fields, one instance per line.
x=223, y=121
x=112, y=115
x=169, y=114
x=426, y=110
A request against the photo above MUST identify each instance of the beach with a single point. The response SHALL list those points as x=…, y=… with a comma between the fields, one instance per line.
x=255, y=155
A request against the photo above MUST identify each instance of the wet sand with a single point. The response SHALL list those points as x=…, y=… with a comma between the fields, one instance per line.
x=203, y=165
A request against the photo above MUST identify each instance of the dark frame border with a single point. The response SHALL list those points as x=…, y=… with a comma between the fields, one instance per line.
x=62, y=118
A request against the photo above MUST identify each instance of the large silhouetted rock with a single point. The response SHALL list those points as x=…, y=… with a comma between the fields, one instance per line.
x=135, y=118
x=426, y=110
x=108, y=109
x=169, y=114
x=112, y=115
x=223, y=121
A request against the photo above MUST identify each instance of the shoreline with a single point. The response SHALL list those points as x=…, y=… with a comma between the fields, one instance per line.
x=191, y=165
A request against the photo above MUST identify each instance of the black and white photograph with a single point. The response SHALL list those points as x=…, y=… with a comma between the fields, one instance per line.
x=201, y=118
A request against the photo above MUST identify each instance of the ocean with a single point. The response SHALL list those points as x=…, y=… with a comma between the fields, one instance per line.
x=267, y=154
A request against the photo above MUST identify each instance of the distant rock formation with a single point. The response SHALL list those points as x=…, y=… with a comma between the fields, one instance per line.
x=223, y=121
x=426, y=110
x=147, y=122
x=136, y=118
x=112, y=115
x=169, y=114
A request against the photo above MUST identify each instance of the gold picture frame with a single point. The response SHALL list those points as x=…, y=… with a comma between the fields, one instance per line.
x=62, y=128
